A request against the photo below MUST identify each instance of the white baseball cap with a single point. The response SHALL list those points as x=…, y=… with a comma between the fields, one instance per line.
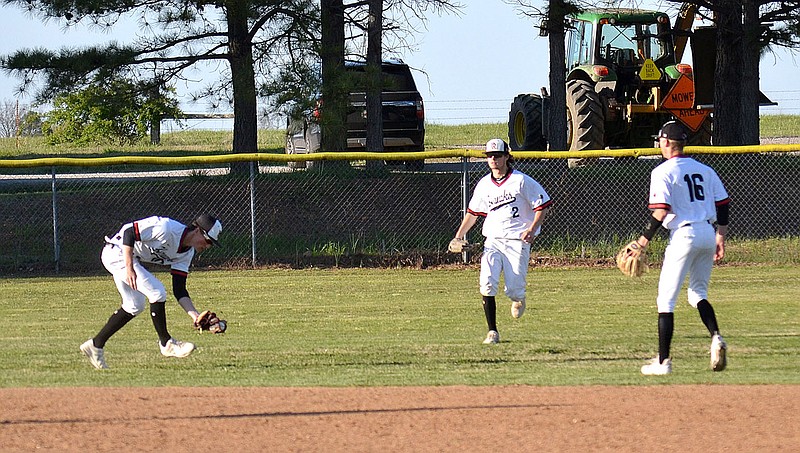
x=496, y=145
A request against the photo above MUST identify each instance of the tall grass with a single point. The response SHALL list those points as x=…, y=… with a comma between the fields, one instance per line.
x=172, y=144
x=438, y=136
x=780, y=126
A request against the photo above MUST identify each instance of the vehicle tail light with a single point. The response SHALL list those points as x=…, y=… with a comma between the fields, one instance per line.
x=684, y=69
x=601, y=71
x=420, y=110
x=317, y=112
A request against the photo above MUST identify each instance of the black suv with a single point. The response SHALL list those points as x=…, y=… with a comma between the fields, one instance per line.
x=403, y=116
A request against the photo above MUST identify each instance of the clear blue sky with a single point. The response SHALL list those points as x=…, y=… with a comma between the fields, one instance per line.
x=473, y=64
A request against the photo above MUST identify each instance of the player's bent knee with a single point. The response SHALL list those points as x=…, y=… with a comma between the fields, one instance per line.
x=157, y=297
x=695, y=298
x=135, y=309
x=693, y=302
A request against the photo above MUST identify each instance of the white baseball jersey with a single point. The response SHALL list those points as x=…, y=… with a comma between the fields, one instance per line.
x=508, y=205
x=688, y=190
x=157, y=241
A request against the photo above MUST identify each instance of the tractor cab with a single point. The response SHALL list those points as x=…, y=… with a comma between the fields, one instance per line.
x=612, y=47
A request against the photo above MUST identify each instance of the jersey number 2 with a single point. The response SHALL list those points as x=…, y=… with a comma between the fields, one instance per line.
x=695, y=187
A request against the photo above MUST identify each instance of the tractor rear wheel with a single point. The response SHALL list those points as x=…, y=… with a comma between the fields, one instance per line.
x=525, y=124
x=585, y=121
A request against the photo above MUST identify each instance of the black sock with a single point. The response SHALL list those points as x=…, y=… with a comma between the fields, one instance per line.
x=159, y=314
x=708, y=317
x=116, y=321
x=490, y=310
x=666, y=325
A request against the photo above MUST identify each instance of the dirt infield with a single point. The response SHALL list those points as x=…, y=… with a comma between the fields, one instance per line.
x=517, y=418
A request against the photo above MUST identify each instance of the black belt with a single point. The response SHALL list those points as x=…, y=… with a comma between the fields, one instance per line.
x=692, y=223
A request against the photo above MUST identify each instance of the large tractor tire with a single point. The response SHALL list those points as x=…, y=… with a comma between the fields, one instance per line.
x=585, y=121
x=525, y=124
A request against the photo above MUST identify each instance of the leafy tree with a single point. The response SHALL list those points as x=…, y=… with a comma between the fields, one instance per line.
x=249, y=44
x=745, y=29
x=19, y=119
x=333, y=85
x=374, y=81
x=112, y=112
x=765, y=24
x=554, y=22
x=344, y=35
x=239, y=40
x=728, y=73
x=30, y=124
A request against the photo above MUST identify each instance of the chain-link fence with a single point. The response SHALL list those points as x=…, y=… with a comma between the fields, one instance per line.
x=347, y=213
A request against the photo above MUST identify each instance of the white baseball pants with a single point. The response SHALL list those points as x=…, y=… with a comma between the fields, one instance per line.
x=690, y=251
x=509, y=257
x=134, y=301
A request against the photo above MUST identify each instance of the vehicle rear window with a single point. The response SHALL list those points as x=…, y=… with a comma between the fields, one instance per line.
x=394, y=79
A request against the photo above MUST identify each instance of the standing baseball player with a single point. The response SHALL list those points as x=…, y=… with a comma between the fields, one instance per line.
x=513, y=206
x=687, y=198
x=156, y=240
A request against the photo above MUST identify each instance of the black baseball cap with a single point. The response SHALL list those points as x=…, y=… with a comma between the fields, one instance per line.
x=210, y=226
x=673, y=130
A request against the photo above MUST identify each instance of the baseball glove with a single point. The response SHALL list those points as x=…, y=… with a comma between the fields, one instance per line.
x=209, y=321
x=458, y=245
x=631, y=260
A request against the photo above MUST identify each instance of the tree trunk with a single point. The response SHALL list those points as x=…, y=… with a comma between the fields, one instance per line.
x=557, y=107
x=750, y=75
x=728, y=74
x=374, y=82
x=245, y=124
x=335, y=93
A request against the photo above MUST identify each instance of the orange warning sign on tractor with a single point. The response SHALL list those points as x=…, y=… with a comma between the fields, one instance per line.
x=681, y=96
x=680, y=102
x=692, y=118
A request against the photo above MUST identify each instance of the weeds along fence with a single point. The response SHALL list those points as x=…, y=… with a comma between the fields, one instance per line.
x=352, y=209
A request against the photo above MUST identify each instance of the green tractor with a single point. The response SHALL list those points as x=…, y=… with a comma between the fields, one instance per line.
x=621, y=67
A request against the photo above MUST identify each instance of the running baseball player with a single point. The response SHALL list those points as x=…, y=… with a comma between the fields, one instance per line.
x=156, y=240
x=688, y=199
x=513, y=206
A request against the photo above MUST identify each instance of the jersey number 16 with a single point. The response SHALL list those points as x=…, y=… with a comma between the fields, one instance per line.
x=695, y=187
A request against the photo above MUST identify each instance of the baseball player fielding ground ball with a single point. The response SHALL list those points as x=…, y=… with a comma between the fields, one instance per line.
x=688, y=199
x=513, y=206
x=156, y=240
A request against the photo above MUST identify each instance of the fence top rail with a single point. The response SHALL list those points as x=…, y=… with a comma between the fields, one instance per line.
x=464, y=152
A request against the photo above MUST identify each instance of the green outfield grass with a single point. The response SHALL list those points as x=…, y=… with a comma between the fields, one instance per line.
x=368, y=327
